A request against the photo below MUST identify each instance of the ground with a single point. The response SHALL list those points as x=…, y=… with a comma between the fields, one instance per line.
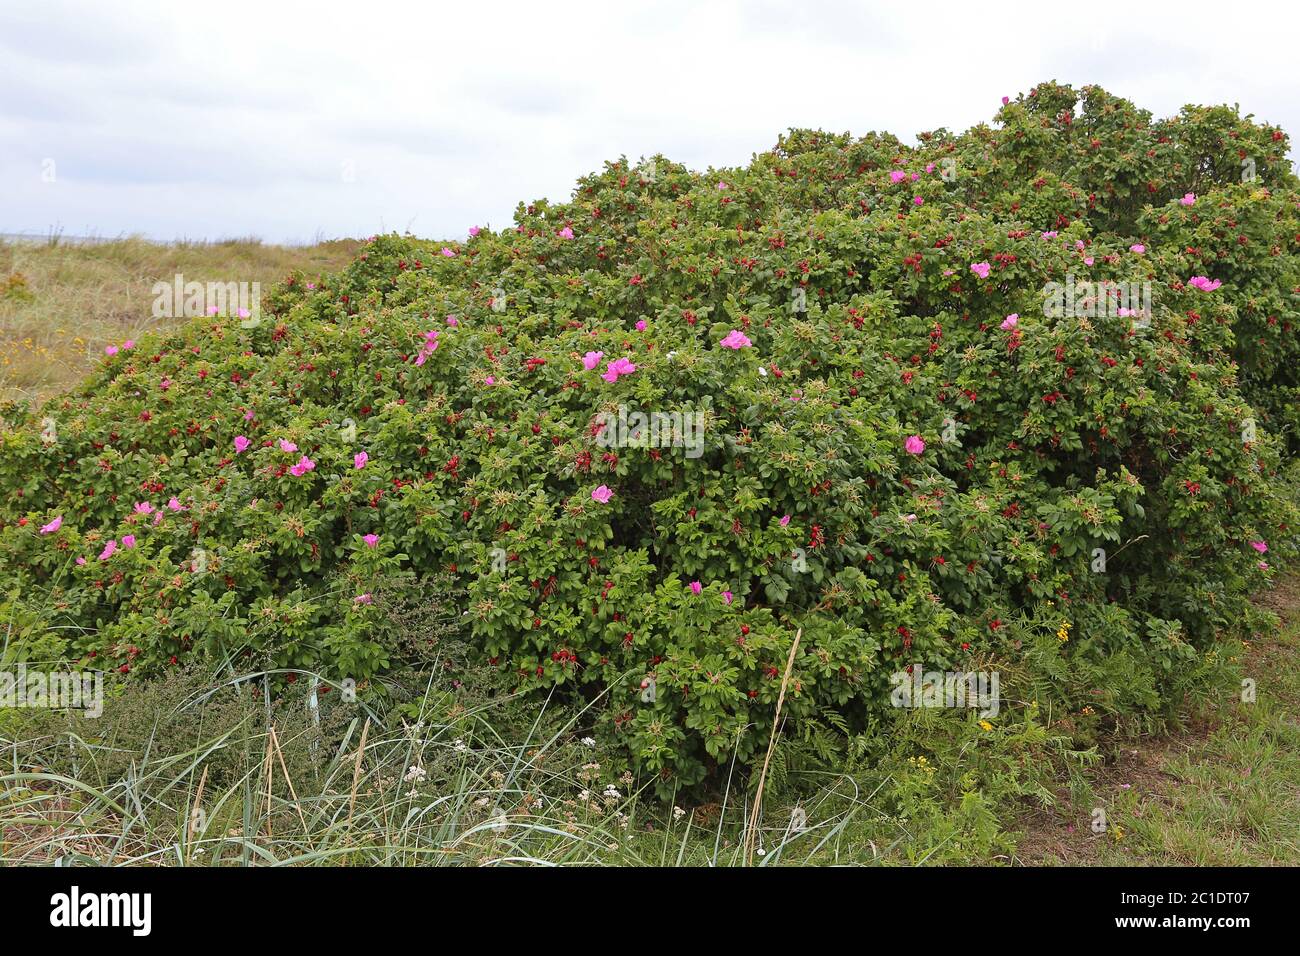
x=1225, y=791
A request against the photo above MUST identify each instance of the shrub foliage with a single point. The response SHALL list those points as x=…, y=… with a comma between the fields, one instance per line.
x=908, y=454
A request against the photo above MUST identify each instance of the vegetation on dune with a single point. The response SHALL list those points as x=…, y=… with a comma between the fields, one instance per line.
x=930, y=436
x=62, y=303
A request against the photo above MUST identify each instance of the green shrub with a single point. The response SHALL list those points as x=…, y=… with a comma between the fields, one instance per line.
x=907, y=455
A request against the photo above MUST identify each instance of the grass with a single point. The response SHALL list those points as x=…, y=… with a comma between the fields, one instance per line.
x=1223, y=792
x=61, y=303
x=449, y=791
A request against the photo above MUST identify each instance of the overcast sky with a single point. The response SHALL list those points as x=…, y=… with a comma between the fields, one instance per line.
x=288, y=121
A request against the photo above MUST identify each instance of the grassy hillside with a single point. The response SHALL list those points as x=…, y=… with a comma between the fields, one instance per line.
x=61, y=302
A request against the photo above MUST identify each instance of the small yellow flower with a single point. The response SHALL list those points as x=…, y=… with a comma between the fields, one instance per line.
x=986, y=725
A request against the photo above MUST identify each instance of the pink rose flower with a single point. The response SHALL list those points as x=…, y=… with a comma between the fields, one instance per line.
x=303, y=466
x=591, y=360
x=616, y=368
x=1010, y=322
x=53, y=526
x=1189, y=199
x=371, y=540
x=735, y=339
x=241, y=444
x=1260, y=546
x=602, y=495
x=109, y=550
x=915, y=444
x=286, y=445
x=981, y=269
x=696, y=587
x=359, y=460
x=1138, y=248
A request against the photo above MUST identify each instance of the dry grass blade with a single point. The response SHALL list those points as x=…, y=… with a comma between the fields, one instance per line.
x=751, y=834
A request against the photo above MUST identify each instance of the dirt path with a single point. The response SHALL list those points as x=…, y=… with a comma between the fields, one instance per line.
x=1223, y=792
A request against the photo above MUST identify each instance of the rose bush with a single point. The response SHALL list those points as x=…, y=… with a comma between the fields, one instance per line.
x=905, y=456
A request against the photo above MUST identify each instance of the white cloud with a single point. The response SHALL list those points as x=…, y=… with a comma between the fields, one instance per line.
x=233, y=120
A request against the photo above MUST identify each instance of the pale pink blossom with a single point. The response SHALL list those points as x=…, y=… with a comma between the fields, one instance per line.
x=359, y=460
x=602, y=495
x=109, y=550
x=591, y=360
x=53, y=526
x=1189, y=199
x=981, y=269
x=1010, y=322
x=286, y=445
